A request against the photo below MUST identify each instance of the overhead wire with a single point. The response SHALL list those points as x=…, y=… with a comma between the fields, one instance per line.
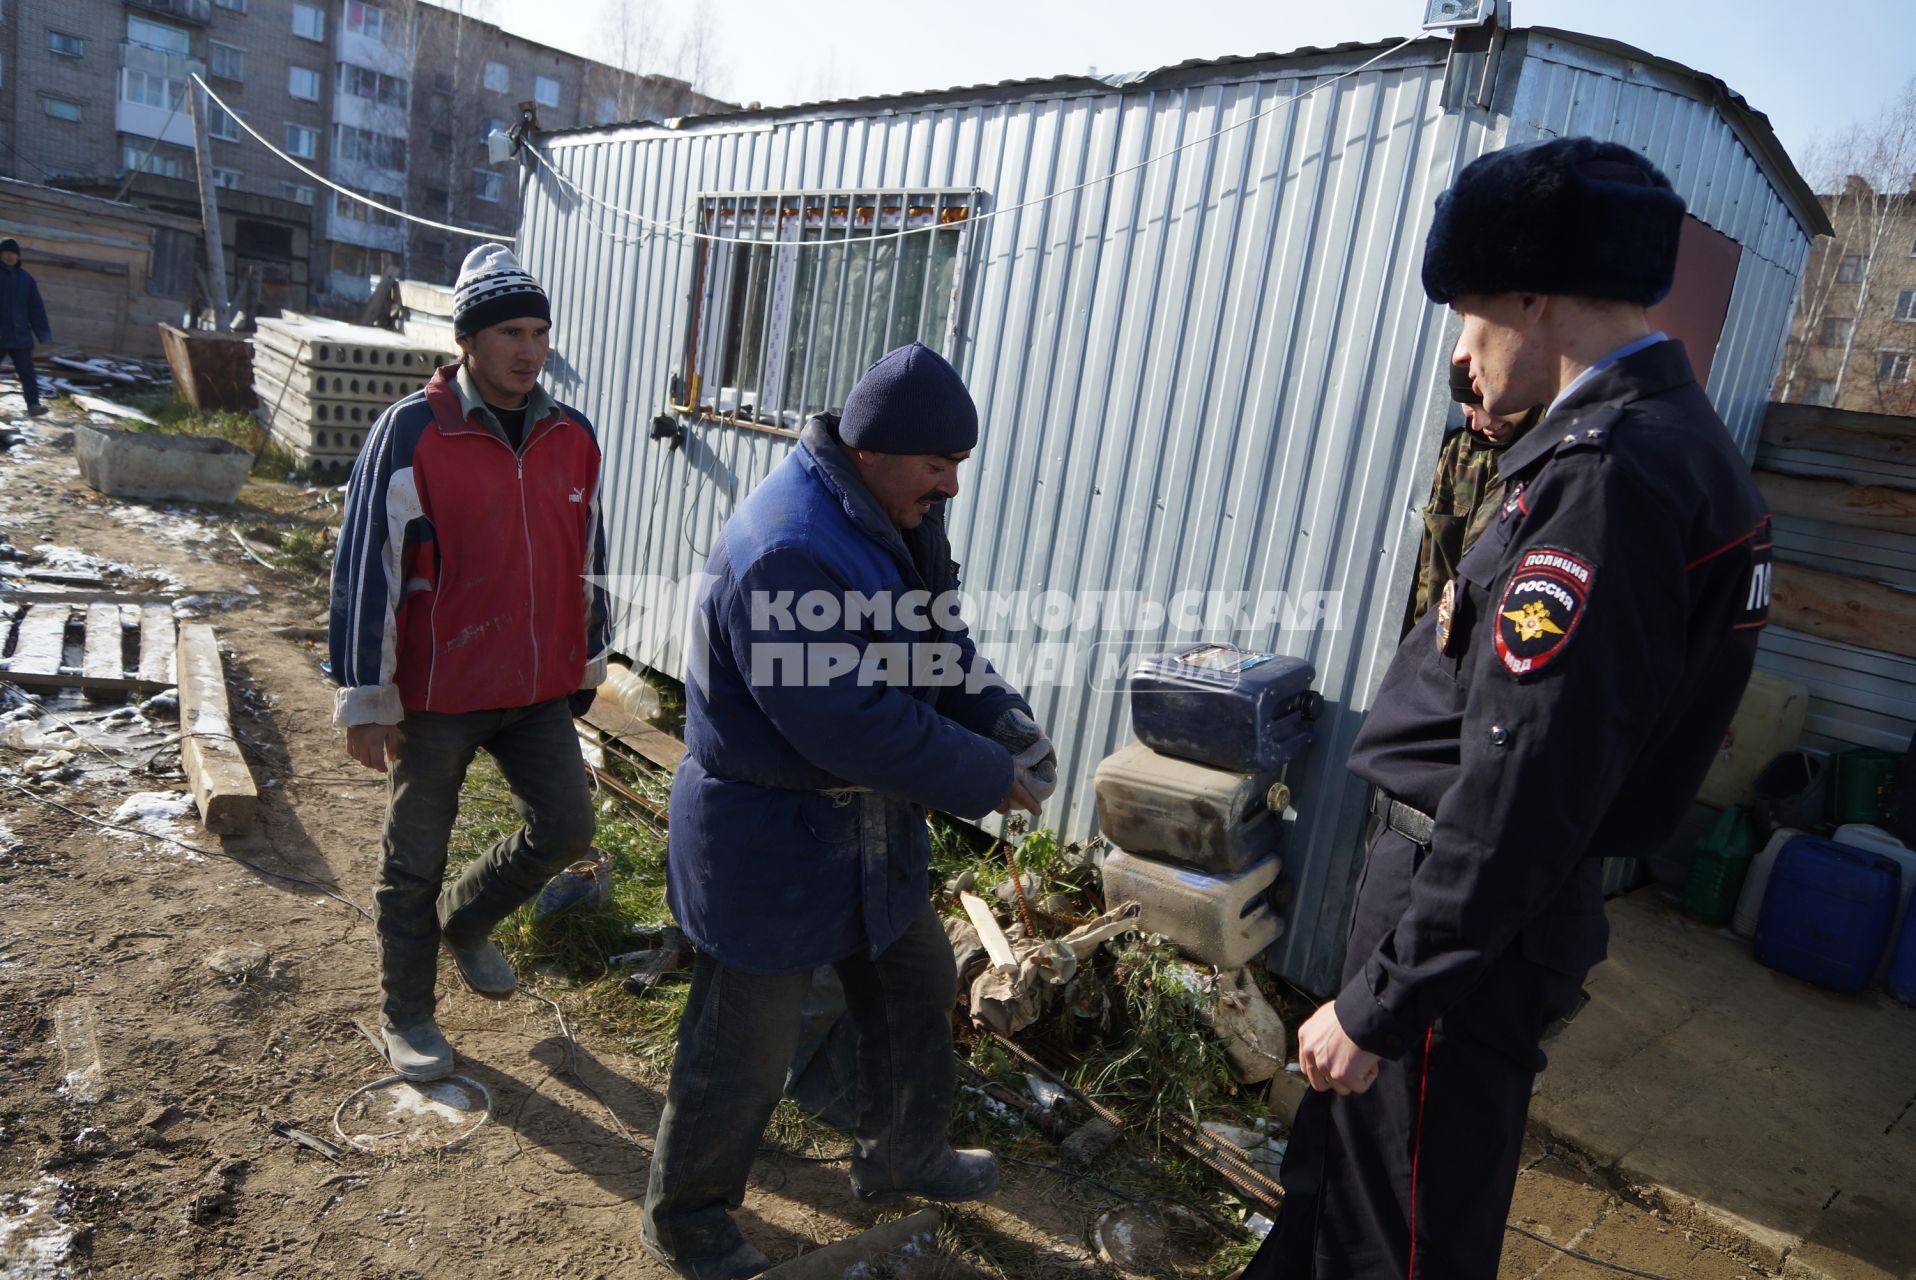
x=673, y=227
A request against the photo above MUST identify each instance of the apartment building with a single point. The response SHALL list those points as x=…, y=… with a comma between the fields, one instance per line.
x=1853, y=338
x=390, y=98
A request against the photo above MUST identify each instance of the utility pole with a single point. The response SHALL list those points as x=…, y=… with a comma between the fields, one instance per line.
x=209, y=208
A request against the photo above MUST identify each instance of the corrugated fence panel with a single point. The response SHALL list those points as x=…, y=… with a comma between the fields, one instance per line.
x=1215, y=372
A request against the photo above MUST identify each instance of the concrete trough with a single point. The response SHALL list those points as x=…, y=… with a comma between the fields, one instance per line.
x=148, y=464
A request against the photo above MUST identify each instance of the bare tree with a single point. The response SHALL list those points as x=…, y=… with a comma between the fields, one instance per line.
x=699, y=51
x=1847, y=332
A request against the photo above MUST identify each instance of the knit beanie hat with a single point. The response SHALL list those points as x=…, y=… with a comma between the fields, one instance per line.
x=9, y=245
x=1570, y=216
x=492, y=289
x=910, y=401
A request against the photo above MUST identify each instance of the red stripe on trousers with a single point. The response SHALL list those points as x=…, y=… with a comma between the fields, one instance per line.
x=1417, y=1150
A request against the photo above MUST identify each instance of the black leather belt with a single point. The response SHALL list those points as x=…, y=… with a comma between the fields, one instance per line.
x=1414, y=825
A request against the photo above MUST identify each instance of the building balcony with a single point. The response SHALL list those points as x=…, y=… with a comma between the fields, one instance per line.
x=197, y=11
x=368, y=235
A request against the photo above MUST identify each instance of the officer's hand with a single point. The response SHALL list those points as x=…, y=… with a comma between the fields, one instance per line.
x=1023, y=794
x=1330, y=1059
x=373, y=744
x=580, y=701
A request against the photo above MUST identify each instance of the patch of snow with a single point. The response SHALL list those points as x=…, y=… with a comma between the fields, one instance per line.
x=34, y=1241
x=443, y=1100
x=158, y=812
x=179, y=524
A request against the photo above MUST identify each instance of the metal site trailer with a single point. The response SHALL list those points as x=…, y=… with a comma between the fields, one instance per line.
x=1188, y=308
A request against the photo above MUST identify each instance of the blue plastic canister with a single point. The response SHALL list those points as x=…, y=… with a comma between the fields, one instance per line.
x=1231, y=708
x=1902, y=956
x=1827, y=912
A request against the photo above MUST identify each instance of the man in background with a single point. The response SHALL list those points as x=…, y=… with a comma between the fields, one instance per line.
x=23, y=320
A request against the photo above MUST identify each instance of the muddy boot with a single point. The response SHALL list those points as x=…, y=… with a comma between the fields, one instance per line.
x=417, y=1051
x=483, y=968
x=741, y=1261
x=37, y=410
x=961, y=1175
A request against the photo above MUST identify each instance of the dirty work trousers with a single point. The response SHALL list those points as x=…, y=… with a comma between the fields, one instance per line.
x=29, y=377
x=1412, y=1179
x=736, y=1040
x=537, y=750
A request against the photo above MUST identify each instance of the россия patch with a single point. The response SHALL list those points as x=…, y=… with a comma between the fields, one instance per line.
x=1541, y=609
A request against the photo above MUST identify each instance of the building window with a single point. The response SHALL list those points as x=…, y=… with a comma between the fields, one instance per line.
x=438, y=197
x=350, y=210
x=432, y=249
x=363, y=146
x=374, y=86
x=545, y=91
x=150, y=90
x=608, y=110
x=498, y=78
x=167, y=162
x=1820, y=391
x=237, y=6
x=303, y=82
x=309, y=22
x=226, y=179
x=364, y=19
x=221, y=124
x=61, y=109
x=157, y=35
x=229, y=63
x=440, y=140
x=1850, y=270
x=1892, y=366
x=486, y=185
x=298, y=192
x=779, y=330
x=1906, y=305
x=65, y=45
x=302, y=142
x=1833, y=331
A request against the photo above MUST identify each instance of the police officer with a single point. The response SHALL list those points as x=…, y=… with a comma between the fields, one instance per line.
x=1560, y=704
x=1465, y=490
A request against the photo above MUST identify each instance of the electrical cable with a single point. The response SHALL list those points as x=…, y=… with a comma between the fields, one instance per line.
x=347, y=191
x=1585, y=1257
x=673, y=228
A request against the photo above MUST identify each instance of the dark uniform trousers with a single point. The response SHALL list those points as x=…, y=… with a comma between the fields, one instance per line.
x=1560, y=703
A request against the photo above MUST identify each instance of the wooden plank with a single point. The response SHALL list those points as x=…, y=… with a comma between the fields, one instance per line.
x=78, y=597
x=159, y=643
x=222, y=784
x=103, y=657
x=42, y=641
x=1872, y=437
x=1863, y=506
x=661, y=748
x=1837, y=607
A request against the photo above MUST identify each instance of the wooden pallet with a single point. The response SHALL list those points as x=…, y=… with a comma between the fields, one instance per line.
x=35, y=635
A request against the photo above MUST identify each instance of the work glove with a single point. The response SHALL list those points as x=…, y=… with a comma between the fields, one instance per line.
x=1032, y=754
x=579, y=701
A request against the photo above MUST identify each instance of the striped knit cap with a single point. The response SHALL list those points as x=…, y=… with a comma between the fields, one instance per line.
x=492, y=289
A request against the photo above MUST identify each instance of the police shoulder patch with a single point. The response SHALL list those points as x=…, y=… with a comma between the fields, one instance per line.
x=1542, y=606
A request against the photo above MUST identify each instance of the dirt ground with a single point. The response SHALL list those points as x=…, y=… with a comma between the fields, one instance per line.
x=222, y=1003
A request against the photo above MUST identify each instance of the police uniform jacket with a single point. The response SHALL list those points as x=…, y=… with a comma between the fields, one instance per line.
x=1562, y=703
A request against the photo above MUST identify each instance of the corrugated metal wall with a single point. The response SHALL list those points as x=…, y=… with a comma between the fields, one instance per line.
x=1216, y=373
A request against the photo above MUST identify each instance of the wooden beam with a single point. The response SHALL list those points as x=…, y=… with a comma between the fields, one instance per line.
x=1861, y=506
x=222, y=784
x=1866, y=437
x=159, y=642
x=104, y=655
x=661, y=748
x=42, y=642
x=1836, y=607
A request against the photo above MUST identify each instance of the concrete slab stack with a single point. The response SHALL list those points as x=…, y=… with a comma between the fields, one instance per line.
x=321, y=384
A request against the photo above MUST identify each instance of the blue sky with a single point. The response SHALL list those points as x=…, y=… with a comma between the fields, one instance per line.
x=1812, y=68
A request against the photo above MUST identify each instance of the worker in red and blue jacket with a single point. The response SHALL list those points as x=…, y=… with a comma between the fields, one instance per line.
x=469, y=612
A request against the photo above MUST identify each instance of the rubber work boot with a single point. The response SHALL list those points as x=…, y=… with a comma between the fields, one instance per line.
x=37, y=411
x=417, y=1051
x=483, y=968
x=961, y=1175
x=737, y=1264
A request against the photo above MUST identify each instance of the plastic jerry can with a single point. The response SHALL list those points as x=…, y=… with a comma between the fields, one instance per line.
x=1749, y=903
x=1719, y=868
x=1901, y=979
x=1876, y=840
x=1768, y=722
x=1163, y=807
x=1227, y=707
x=1859, y=784
x=1826, y=913
x=1221, y=920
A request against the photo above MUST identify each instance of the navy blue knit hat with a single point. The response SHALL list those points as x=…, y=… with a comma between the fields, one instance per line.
x=1572, y=215
x=910, y=401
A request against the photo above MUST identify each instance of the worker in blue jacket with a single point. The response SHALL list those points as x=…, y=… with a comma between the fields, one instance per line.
x=1560, y=704
x=833, y=695
x=23, y=321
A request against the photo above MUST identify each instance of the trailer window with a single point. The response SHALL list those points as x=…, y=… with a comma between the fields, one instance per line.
x=803, y=291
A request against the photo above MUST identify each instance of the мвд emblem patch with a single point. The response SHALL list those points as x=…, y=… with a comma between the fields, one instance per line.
x=1446, y=611
x=1541, y=609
